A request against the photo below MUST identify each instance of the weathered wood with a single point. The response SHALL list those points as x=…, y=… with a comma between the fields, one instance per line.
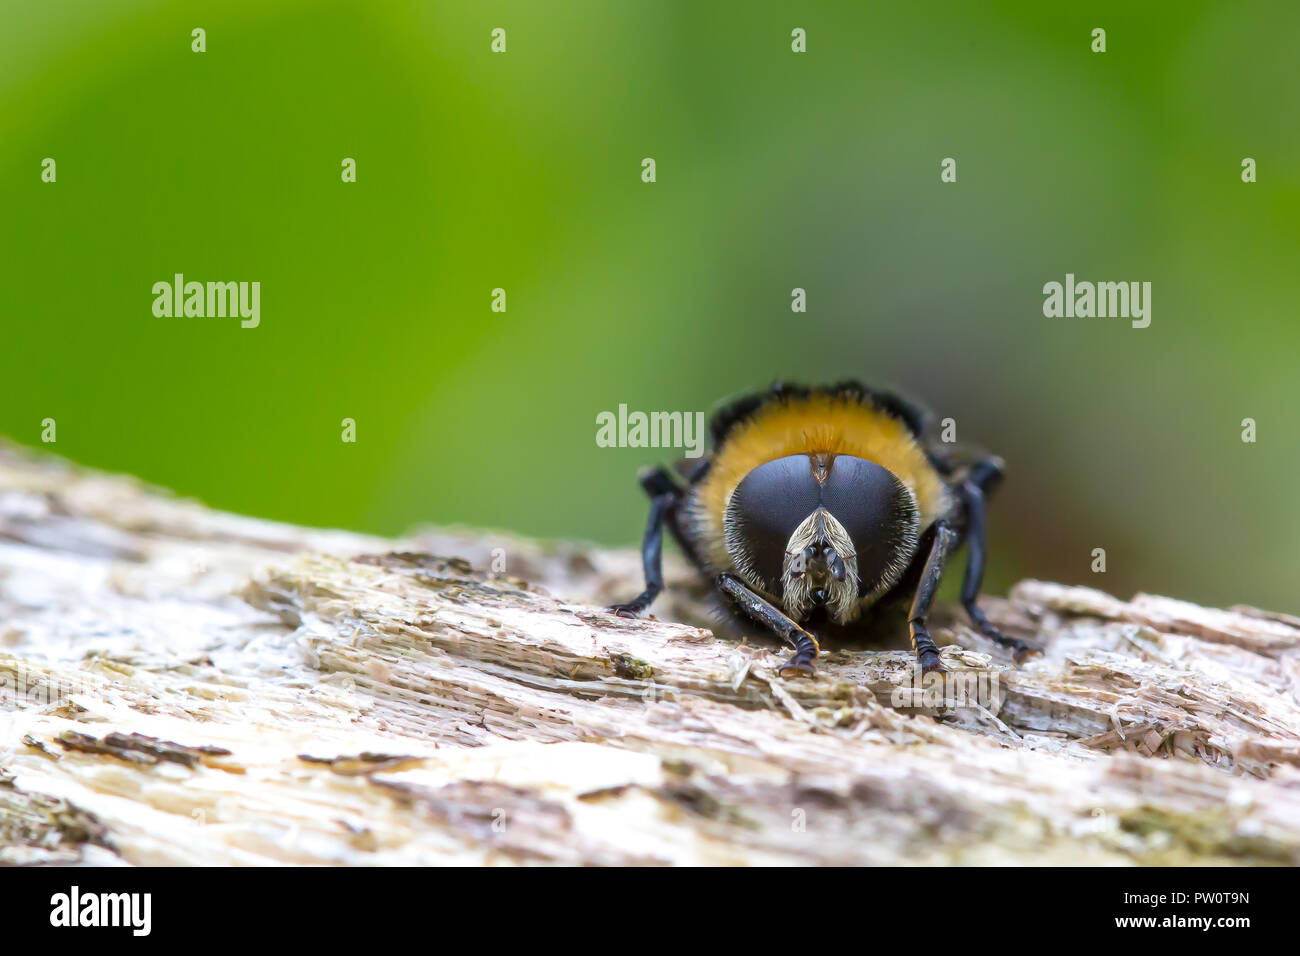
x=183, y=686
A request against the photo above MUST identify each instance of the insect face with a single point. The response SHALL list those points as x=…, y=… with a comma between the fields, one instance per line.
x=820, y=568
x=821, y=530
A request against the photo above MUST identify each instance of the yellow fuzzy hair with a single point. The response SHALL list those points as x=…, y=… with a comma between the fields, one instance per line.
x=817, y=423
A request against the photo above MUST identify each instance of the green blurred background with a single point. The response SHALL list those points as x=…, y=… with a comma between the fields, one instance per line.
x=775, y=170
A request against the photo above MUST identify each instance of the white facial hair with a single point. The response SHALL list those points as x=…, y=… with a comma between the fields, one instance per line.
x=841, y=596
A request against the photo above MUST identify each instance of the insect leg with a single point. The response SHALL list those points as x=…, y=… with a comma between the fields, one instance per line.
x=664, y=496
x=971, y=491
x=759, y=609
x=927, y=654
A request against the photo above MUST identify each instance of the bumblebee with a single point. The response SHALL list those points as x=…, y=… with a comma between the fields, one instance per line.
x=816, y=505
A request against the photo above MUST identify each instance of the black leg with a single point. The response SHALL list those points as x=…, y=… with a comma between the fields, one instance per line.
x=981, y=478
x=664, y=495
x=927, y=654
x=756, y=607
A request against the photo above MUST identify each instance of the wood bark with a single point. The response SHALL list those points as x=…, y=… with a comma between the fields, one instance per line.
x=184, y=686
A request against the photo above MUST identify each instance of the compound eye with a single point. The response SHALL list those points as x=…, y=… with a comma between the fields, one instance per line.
x=879, y=514
x=765, y=509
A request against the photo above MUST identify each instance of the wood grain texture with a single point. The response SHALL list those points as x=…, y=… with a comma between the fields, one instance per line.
x=184, y=686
